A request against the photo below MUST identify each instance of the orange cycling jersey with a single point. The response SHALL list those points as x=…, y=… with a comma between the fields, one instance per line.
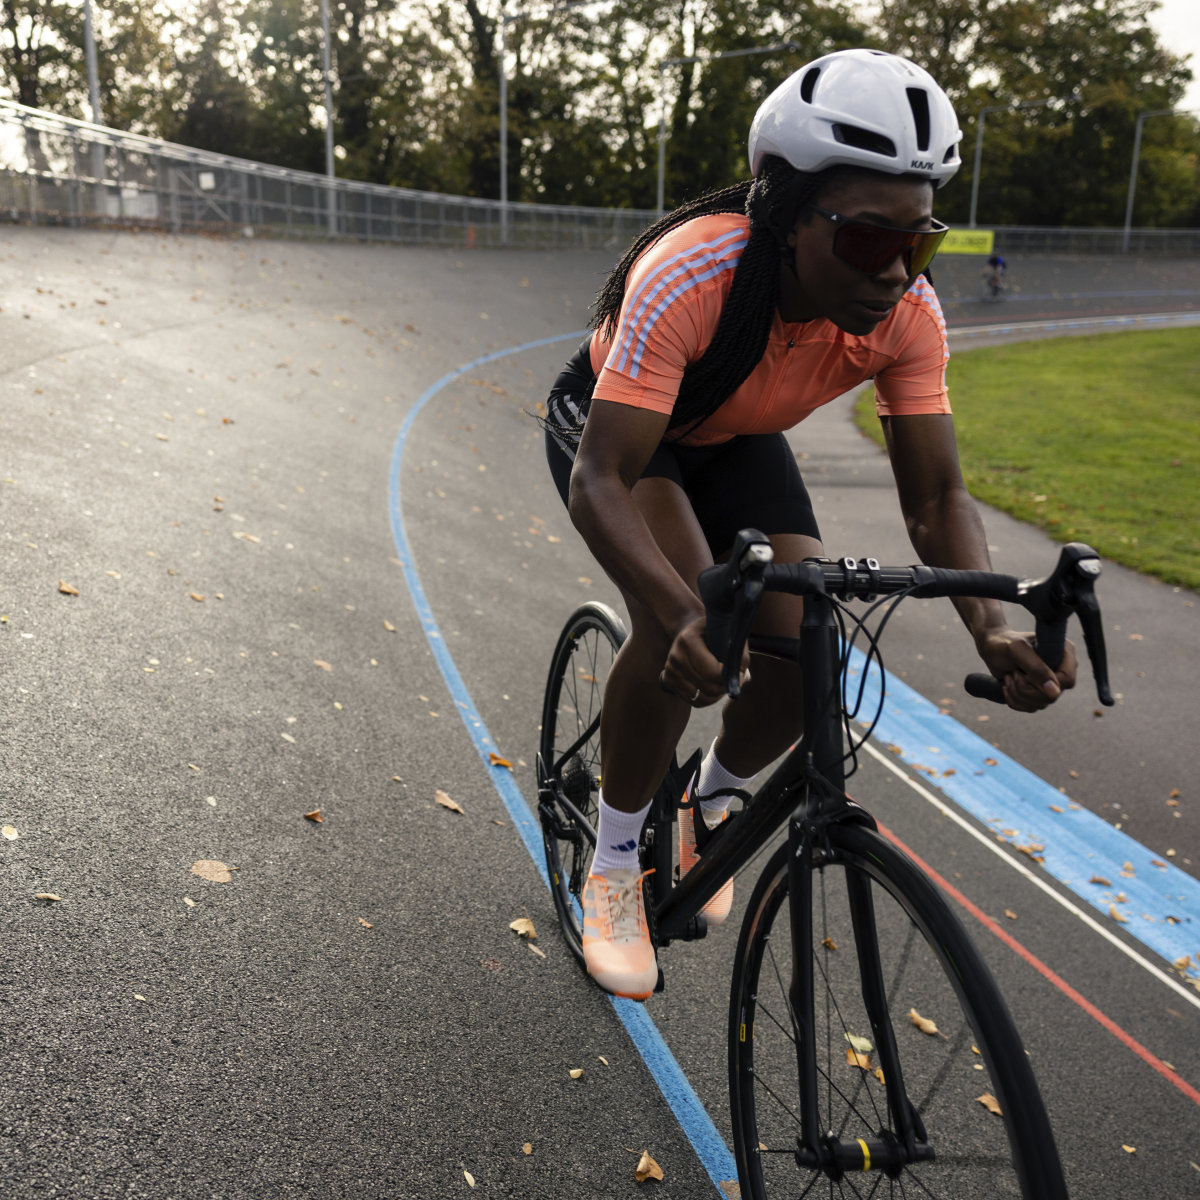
x=673, y=300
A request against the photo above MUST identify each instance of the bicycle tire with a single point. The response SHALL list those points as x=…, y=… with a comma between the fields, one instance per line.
x=930, y=967
x=569, y=756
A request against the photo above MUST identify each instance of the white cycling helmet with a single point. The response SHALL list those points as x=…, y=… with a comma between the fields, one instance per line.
x=865, y=108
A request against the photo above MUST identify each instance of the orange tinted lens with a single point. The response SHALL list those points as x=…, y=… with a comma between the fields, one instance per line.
x=870, y=248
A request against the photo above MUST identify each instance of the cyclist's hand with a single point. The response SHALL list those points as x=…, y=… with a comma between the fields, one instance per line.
x=691, y=672
x=1029, y=684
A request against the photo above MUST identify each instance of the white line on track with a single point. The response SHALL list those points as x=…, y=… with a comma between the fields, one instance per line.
x=1023, y=870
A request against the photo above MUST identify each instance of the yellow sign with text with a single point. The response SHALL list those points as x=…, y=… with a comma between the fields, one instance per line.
x=968, y=241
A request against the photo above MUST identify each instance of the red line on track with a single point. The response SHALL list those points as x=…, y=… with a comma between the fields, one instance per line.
x=1063, y=986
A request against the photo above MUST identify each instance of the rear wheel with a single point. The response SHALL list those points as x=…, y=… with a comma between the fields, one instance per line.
x=569, y=756
x=967, y=1076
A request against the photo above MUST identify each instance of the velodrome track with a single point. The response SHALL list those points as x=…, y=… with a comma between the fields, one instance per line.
x=247, y=459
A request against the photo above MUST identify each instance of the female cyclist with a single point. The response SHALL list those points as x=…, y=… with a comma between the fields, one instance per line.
x=727, y=322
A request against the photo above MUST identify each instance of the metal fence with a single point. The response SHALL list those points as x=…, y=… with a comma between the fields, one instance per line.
x=1156, y=243
x=58, y=170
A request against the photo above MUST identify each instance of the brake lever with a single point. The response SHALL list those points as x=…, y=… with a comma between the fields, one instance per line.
x=1070, y=588
x=731, y=593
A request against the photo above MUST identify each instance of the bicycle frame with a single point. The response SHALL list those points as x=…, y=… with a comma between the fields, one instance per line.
x=807, y=791
x=812, y=770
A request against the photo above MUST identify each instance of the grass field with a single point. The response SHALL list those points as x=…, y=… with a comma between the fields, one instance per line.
x=1093, y=439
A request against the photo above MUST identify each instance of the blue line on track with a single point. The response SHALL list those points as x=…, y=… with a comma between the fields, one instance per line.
x=1023, y=809
x=695, y=1122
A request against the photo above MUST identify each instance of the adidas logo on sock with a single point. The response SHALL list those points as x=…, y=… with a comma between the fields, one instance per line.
x=625, y=847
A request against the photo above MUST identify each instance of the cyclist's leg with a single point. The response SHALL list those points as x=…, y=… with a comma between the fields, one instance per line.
x=640, y=724
x=765, y=719
x=756, y=483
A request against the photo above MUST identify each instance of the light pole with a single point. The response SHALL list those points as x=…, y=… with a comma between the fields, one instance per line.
x=1137, y=150
x=89, y=54
x=662, y=97
x=327, y=71
x=505, y=22
x=979, y=143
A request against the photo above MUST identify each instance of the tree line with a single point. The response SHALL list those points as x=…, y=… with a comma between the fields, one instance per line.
x=416, y=91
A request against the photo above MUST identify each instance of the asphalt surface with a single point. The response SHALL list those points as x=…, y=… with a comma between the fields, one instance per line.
x=197, y=439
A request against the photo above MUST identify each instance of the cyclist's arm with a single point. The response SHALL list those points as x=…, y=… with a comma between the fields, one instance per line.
x=946, y=531
x=617, y=443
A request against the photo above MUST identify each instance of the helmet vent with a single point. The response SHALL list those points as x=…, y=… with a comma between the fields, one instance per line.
x=918, y=101
x=864, y=139
x=808, y=84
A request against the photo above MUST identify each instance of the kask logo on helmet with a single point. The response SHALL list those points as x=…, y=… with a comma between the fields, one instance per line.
x=918, y=165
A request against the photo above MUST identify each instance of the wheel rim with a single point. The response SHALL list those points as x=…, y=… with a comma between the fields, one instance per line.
x=945, y=1074
x=570, y=757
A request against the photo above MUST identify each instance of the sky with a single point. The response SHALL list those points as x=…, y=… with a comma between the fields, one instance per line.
x=1177, y=23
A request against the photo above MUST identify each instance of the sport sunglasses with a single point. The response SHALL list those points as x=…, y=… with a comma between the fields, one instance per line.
x=870, y=248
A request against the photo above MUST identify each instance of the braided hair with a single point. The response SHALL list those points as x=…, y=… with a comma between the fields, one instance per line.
x=771, y=202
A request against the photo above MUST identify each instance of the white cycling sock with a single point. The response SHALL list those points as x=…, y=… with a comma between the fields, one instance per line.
x=715, y=778
x=617, y=836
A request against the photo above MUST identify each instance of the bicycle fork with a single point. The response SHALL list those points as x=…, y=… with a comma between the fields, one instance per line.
x=886, y=1150
x=817, y=1149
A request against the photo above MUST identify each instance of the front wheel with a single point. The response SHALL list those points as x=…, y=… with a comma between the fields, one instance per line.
x=569, y=756
x=966, y=1074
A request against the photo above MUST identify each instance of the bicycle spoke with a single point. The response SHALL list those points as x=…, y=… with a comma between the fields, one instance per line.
x=770, y=1091
x=928, y=969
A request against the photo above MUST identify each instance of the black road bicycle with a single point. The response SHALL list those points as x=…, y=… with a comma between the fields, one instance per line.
x=870, y=1051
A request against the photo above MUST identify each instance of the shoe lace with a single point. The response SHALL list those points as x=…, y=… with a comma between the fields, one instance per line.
x=625, y=906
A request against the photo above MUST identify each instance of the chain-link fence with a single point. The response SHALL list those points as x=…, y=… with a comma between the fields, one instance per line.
x=57, y=170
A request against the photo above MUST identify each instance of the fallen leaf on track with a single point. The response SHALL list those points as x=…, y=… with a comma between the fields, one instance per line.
x=924, y=1024
x=365, y=923
x=46, y=896
x=67, y=589
x=446, y=802
x=576, y=1072
x=212, y=870
x=647, y=1168
x=497, y=761
x=315, y=817
x=318, y=662
x=990, y=1103
x=10, y=833
x=523, y=927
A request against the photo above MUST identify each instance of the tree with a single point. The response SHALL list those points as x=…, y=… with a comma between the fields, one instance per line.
x=1089, y=65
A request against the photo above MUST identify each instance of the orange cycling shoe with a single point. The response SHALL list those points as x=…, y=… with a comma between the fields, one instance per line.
x=616, y=939
x=717, y=909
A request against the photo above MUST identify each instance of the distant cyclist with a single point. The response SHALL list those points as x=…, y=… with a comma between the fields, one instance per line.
x=993, y=274
x=729, y=321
